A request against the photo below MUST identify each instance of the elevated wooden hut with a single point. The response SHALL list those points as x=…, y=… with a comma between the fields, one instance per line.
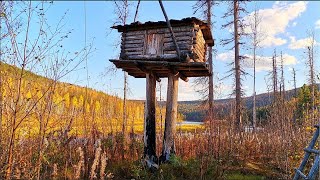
x=152, y=42
x=153, y=50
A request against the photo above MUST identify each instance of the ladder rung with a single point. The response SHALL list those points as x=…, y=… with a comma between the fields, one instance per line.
x=301, y=174
x=311, y=150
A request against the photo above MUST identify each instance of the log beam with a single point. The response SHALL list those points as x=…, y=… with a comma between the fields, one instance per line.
x=174, y=71
x=143, y=69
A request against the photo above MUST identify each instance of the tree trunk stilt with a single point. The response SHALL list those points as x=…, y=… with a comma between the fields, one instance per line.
x=171, y=118
x=150, y=122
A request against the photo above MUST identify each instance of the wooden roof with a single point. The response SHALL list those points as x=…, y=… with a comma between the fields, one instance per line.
x=174, y=23
x=138, y=69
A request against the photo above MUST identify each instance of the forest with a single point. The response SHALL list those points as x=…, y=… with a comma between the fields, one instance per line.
x=52, y=128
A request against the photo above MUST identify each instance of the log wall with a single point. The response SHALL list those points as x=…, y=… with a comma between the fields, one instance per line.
x=199, y=47
x=157, y=44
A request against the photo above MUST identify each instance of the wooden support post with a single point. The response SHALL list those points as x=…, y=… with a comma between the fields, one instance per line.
x=171, y=117
x=150, y=123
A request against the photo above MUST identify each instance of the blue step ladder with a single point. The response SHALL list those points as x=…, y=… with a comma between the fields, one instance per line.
x=315, y=167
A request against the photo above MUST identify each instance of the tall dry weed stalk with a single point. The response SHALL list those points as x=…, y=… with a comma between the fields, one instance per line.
x=80, y=166
x=96, y=161
x=55, y=170
x=103, y=160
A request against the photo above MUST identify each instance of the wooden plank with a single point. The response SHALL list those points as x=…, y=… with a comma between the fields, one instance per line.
x=135, y=53
x=185, y=51
x=163, y=75
x=140, y=49
x=184, y=73
x=154, y=57
x=190, y=42
x=165, y=70
x=158, y=66
x=134, y=41
x=150, y=119
x=134, y=37
x=175, y=29
x=199, y=46
x=180, y=64
x=170, y=46
x=182, y=28
x=168, y=147
x=179, y=39
x=200, y=55
x=199, y=37
x=125, y=46
x=181, y=34
x=134, y=33
x=184, y=45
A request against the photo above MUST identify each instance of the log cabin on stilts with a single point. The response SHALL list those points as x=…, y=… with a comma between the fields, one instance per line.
x=170, y=49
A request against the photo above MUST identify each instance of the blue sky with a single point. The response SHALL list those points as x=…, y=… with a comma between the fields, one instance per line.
x=284, y=25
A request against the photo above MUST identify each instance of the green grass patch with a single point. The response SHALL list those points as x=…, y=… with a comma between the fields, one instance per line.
x=240, y=176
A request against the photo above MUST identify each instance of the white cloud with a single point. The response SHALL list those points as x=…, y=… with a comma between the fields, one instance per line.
x=275, y=20
x=226, y=56
x=317, y=24
x=263, y=63
x=294, y=24
x=187, y=92
x=301, y=43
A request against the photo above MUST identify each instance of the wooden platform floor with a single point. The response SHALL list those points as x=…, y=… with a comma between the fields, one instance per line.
x=138, y=69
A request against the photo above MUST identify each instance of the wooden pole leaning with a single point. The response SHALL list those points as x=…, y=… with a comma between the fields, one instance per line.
x=171, y=30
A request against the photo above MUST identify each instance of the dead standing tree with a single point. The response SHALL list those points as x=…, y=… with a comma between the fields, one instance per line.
x=257, y=35
x=282, y=80
x=274, y=76
x=206, y=83
x=234, y=11
x=209, y=15
x=311, y=72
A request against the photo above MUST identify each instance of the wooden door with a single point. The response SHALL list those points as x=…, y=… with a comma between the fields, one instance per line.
x=154, y=44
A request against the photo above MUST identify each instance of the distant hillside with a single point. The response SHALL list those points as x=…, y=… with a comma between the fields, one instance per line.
x=73, y=107
x=194, y=110
x=100, y=108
